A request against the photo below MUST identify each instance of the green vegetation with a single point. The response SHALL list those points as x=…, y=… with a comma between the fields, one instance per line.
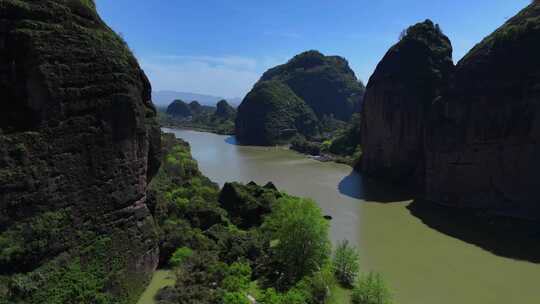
x=371, y=289
x=179, y=256
x=219, y=119
x=70, y=279
x=30, y=241
x=298, y=99
x=300, y=236
x=245, y=241
x=325, y=83
x=346, y=264
x=340, y=142
x=273, y=114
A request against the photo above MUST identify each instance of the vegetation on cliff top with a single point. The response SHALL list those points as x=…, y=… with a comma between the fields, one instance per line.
x=325, y=83
x=272, y=113
x=285, y=95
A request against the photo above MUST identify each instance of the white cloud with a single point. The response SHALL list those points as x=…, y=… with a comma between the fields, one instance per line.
x=227, y=76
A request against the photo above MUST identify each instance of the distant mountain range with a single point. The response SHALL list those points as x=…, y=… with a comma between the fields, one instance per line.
x=164, y=98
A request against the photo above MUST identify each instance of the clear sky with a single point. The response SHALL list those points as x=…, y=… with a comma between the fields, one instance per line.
x=222, y=47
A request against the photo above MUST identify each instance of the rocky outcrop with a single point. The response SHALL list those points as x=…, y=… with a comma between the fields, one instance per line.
x=309, y=82
x=195, y=107
x=224, y=110
x=482, y=138
x=326, y=83
x=179, y=108
x=472, y=137
x=246, y=205
x=271, y=114
x=398, y=98
x=78, y=145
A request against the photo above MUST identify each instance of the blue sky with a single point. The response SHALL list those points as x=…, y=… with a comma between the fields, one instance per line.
x=222, y=47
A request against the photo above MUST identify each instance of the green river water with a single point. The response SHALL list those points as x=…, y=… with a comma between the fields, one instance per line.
x=421, y=265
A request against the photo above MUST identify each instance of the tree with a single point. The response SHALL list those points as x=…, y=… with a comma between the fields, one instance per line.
x=179, y=256
x=299, y=235
x=235, y=298
x=345, y=263
x=371, y=289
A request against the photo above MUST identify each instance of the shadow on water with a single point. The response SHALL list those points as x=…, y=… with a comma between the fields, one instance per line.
x=359, y=187
x=231, y=140
x=510, y=238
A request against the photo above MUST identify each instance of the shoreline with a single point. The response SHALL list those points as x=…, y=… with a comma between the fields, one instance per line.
x=324, y=158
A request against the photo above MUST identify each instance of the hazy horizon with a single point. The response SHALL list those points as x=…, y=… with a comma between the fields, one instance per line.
x=221, y=49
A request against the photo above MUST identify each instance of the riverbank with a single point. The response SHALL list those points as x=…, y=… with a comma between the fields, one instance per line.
x=421, y=264
x=160, y=279
x=197, y=128
x=322, y=157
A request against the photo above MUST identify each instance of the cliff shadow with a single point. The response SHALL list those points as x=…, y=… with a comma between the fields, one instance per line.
x=231, y=140
x=505, y=237
x=360, y=187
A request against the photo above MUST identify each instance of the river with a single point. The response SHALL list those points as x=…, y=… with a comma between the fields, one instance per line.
x=420, y=264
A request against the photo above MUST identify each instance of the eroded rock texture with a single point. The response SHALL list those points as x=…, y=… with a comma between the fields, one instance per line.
x=78, y=145
x=482, y=140
x=398, y=97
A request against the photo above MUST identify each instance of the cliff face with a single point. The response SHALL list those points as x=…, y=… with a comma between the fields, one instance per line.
x=78, y=145
x=398, y=97
x=271, y=113
x=468, y=134
x=310, y=82
x=482, y=139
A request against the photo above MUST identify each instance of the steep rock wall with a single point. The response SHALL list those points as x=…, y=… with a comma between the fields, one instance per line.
x=78, y=145
x=482, y=141
x=398, y=97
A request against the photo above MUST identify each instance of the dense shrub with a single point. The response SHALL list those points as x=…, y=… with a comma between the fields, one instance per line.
x=180, y=255
x=300, y=234
x=371, y=289
x=345, y=263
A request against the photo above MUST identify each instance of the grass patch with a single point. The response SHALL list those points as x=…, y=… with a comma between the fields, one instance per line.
x=339, y=295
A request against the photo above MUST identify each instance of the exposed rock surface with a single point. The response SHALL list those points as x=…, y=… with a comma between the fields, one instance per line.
x=78, y=145
x=399, y=94
x=472, y=137
x=483, y=137
x=292, y=99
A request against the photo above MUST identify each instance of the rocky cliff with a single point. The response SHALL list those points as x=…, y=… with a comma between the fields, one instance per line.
x=482, y=140
x=224, y=110
x=78, y=145
x=399, y=94
x=179, y=108
x=325, y=85
x=470, y=132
